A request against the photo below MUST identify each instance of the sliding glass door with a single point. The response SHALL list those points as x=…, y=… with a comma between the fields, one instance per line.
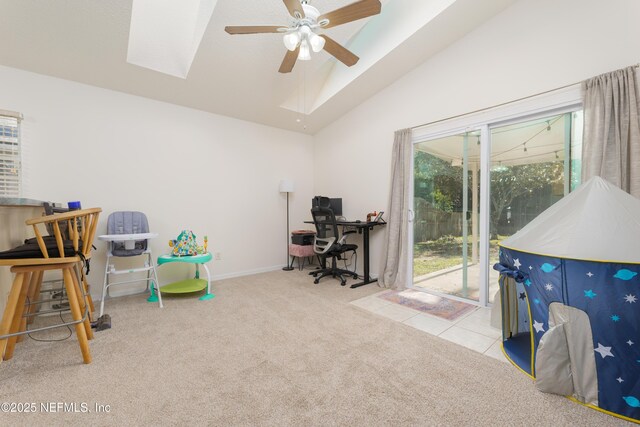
x=515, y=170
x=446, y=206
x=533, y=165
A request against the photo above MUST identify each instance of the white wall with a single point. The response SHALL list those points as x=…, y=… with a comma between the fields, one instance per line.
x=219, y=176
x=184, y=168
x=531, y=47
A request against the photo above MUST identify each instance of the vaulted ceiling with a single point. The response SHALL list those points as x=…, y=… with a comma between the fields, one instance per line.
x=87, y=41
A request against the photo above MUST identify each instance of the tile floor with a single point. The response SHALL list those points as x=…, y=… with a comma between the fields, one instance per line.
x=449, y=281
x=471, y=330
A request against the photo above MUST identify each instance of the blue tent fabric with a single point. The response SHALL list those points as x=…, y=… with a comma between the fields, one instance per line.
x=611, y=299
x=609, y=293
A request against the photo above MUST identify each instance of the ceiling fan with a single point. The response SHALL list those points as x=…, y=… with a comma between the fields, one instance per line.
x=301, y=36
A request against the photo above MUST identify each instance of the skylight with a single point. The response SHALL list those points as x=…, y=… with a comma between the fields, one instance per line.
x=164, y=35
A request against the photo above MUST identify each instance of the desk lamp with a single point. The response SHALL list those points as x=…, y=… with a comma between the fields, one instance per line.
x=286, y=186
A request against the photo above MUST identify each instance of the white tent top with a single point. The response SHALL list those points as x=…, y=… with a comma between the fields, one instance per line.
x=597, y=222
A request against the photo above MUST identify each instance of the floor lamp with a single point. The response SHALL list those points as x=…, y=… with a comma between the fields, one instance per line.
x=286, y=186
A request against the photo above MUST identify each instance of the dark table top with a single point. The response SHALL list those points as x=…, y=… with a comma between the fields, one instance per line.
x=20, y=201
x=355, y=223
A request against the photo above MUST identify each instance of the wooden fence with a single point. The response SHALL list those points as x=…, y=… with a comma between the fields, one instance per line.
x=430, y=223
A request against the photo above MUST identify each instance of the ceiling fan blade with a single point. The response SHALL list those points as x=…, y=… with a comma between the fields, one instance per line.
x=341, y=53
x=289, y=61
x=295, y=8
x=252, y=29
x=353, y=12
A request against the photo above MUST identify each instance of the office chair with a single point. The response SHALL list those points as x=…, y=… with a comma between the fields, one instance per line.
x=128, y=235
x=326, y=244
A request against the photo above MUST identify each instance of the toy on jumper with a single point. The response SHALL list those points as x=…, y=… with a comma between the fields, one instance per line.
x=187, y=245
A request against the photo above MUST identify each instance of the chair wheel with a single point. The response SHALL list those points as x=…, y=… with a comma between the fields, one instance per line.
x=316, y=281
x=355, y=276
x=343, y=282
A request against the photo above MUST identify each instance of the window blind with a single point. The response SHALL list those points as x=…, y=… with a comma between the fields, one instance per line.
x=9, y=156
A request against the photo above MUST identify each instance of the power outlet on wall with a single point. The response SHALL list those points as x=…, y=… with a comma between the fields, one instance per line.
x=218, y=256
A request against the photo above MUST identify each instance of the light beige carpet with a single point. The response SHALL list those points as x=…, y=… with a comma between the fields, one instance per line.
x=274, y=349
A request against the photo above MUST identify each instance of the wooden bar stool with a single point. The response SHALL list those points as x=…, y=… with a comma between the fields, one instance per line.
x=65, y=252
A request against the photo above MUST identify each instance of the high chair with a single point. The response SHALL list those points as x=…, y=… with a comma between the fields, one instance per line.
x=65, y=251
x=128, y=235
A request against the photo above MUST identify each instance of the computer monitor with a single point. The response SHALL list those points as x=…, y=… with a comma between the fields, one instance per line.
x=336, y=206
x=334, y=203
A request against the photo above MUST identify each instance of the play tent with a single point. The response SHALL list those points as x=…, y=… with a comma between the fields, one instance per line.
x=570, y=298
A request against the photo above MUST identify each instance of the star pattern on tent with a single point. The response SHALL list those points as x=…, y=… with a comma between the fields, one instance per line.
x=630, y=298
x=590, y=274
x=548, y=287
x=516, y=263
x=620, y=380
x=590, y=294
x=630, y=342
x=615, y=318
x=604, y=351
x=522, y=295
x=530, y=268
x=536, y=300
x=539, y=327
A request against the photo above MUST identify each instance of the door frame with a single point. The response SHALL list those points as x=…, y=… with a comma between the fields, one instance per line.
x=556, y=102
x=483, y=252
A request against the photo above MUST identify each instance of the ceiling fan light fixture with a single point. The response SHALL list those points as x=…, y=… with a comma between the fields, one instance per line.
x=305, y=54
x=317, y=43
x=305, y=30
x=291, y=40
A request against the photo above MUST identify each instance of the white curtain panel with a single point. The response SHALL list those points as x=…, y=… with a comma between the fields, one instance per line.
x=395, y=255
x=611, y=142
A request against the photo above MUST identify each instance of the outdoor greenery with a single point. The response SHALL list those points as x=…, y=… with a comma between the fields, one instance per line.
x=440, y=183
x=508, y=183
x=445, y=252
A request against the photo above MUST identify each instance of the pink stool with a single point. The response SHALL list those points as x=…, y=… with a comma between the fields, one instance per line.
x=301, y=252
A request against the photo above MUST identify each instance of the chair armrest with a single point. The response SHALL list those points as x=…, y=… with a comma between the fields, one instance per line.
x=322, y=246
x=345, y=234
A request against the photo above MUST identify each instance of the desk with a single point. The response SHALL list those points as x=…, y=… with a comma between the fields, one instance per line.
x=189, y=285
x=363, y=228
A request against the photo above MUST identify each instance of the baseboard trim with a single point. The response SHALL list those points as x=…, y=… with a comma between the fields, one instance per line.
x=214, y=277
x=246, y=272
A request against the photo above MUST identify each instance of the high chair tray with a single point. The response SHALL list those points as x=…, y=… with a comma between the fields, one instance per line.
x=127, y=237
